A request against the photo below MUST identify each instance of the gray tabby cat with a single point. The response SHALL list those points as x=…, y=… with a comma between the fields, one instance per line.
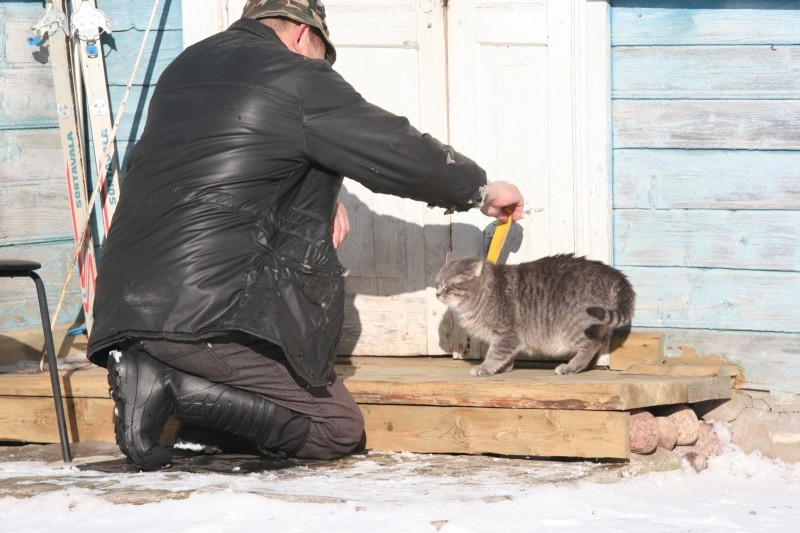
x=554, y=307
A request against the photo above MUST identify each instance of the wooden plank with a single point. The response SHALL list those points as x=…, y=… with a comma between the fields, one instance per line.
x=385, y=24
x=135, y=113
x=711, y=238
x=728, y=124
x=200, y=18
x=769, y=360
x=395, y=325
x=715, y=72
x=634, y=348
x=701, y=390
x=17, y=19
x=522, y=388
x=521, y=23
x=26, y=345
x=27, y=99
x=33, y=196
x=20, y=305
x=699, y=179
x=161, y=48
x=88, y=382
x=135, y=15
x=525, y=432
x=33, y=419
x=654, y=22
x=452, y=386
x=443, y=385
x=716, y=299
x=676, y=369
x=638, y=346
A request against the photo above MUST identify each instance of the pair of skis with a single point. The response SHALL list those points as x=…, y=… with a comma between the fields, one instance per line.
x=78, y=73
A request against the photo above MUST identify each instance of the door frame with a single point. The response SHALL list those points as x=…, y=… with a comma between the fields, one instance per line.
x=590, y=71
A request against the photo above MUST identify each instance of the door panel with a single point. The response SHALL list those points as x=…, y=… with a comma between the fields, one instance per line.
x=385, y=49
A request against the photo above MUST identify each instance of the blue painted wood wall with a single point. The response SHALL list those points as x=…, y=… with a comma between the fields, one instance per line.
x=706, y=176
x=34, y=211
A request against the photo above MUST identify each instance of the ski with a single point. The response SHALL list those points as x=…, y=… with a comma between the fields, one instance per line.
x=87, y=23
x=52, y=27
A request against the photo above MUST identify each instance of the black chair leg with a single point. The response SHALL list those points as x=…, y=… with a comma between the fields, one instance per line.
x=51, y=361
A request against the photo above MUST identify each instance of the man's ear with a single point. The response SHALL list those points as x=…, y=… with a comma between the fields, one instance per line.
x=297, y=36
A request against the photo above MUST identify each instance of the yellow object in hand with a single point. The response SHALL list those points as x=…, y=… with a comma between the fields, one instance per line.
x=499, y=238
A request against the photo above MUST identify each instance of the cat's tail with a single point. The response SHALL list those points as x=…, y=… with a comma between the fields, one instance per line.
x=614, y=318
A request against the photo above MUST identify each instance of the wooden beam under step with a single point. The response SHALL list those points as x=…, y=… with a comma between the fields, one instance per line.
x=423, y=429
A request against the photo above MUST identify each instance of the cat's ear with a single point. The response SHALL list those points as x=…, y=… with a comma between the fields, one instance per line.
x=477, y=268
x=449, y=256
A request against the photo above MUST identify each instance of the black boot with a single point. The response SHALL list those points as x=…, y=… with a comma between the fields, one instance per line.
x=138, y=384
x=275, y=430
x=212, y=442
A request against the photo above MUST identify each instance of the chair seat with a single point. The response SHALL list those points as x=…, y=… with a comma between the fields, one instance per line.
x=18, y=265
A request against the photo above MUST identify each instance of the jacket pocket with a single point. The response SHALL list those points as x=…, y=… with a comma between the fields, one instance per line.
x=310, y=320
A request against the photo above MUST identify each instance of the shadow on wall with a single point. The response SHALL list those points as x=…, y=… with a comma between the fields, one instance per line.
x=388, y=256
x=148, y=80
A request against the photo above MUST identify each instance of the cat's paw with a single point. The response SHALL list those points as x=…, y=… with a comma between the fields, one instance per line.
x=482, y=371
x=564, y=370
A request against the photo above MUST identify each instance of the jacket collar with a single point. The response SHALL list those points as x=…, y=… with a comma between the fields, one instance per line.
x=254, y=26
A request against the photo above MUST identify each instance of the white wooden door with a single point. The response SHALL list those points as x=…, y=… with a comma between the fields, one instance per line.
x=521, y=87
x=516, y=73
x=393, y=52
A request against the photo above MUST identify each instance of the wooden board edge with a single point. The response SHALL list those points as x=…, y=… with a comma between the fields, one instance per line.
x=628, y=349
x=516, y=432
x=421, y=429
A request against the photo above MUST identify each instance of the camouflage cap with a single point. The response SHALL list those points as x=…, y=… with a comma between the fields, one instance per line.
x=311, y=12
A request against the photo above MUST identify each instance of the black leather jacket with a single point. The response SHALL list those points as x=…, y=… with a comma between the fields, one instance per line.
x=225, y=214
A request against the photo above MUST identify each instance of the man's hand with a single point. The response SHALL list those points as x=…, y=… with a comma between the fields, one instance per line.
x=503, y=195
x=341, y=225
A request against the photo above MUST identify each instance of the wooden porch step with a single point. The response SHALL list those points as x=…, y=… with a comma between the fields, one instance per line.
x=416, y=404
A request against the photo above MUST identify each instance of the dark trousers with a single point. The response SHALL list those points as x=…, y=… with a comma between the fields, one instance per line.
x=258, y=366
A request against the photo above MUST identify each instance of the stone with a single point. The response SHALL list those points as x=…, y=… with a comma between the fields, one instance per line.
x=697, y=461
x=727, y=411
x=708, y=442
x=776, y=435
x=643, y=432
x=783, y=402
x=686, y=422
x=667, y=433
x=660, y=460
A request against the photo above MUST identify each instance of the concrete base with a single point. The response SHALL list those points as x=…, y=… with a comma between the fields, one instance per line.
x=759, y=422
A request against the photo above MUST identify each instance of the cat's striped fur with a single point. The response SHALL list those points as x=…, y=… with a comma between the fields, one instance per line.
x=555, y=307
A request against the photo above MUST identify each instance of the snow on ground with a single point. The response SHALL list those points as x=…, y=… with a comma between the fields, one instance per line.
x=401, y=492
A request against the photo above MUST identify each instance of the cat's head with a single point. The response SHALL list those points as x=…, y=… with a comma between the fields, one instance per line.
x=459, y=279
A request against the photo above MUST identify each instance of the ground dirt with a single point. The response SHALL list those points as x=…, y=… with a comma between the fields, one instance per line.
x=101, y=468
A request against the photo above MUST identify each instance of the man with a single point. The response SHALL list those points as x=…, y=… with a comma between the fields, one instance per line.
x=219, y=295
